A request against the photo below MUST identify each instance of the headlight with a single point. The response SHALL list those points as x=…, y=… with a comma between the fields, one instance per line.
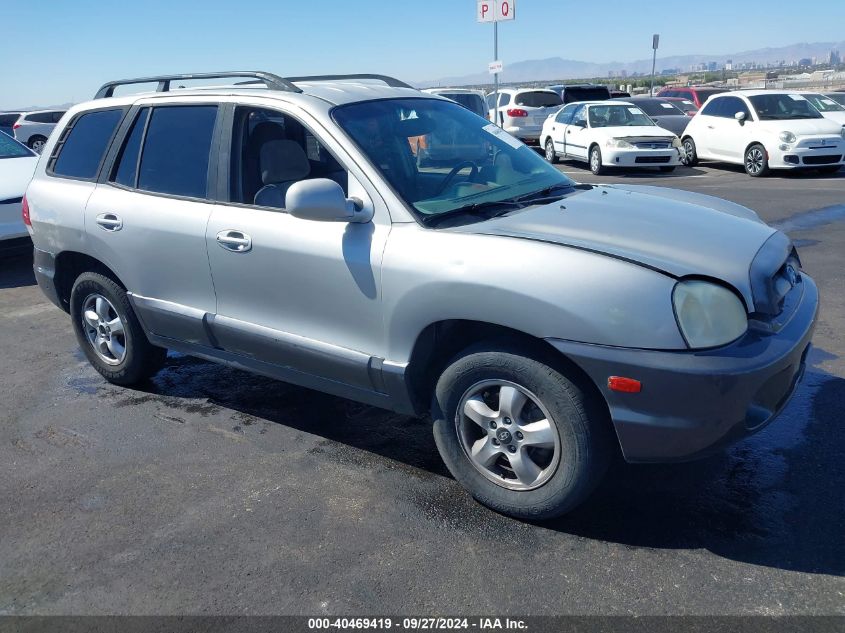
x=708, y=314
x=787, y=137
x=676, y=143
x=620, y=143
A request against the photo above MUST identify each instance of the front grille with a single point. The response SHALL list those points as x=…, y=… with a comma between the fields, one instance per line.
x=657, y=145
x=822, y=160
x=652, y=159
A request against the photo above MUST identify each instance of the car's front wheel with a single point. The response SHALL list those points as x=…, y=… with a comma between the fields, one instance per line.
x=109, y=332
x=596, y=165
x=690, y=157
x=551, y=155
x=519, y=435
x=756, y=161
x=36, y=143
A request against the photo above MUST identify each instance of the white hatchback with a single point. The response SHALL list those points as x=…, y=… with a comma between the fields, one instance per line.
x=764, y=130
x=609, y=134
x=522, y=111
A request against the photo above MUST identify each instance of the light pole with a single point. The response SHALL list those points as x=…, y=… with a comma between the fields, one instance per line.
x=655, y=41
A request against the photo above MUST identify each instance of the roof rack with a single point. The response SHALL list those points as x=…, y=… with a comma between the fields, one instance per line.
x=273, y=82
x=390, y=81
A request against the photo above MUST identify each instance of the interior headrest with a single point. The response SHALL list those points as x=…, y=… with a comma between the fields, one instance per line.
x=282, y=161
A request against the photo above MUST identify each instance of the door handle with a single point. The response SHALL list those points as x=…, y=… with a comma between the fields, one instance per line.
x=109, y=222
x=235, y=241
x=710, y=127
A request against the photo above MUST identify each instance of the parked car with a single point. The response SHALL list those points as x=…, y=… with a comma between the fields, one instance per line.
x=609, y=134
x=698, y=95
x=34, y=128
x=541, y=323
x=472, y=100
x=7, y=122
x=839, y=97
x=764, y=130
x=662, y=112
x=688, y=107
x=522, y=111
x=581, y=92
x=17, y=164
x=828, y=107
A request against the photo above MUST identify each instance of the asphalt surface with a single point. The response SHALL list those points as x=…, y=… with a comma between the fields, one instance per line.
x=212, y=491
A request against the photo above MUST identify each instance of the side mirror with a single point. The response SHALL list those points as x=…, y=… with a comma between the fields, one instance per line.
x=740, y=116
x=322, y=200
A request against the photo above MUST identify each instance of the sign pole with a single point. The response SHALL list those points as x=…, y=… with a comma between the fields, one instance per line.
x=655, y=42
x=496, y=75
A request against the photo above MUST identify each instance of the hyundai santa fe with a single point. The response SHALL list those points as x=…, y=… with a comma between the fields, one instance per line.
x=283, y=226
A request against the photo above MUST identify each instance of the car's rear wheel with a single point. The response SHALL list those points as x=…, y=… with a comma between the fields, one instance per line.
x=551, y=155
x=756, y=161
x=519, y=435
x=36, y=143
x=690, y=158
x=109, y=332
x=596, y=165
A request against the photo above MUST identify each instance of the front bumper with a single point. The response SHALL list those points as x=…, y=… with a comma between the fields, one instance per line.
x=614, y=157
x=807, y=153
x=693, y=402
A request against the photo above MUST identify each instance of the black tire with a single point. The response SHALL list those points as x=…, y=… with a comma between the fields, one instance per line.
x=36, y=143
x=142, y=359
x=830, y=169
x=577, y=416
x=596, y=163
x=756, y=161
x=668, y=169
x=690, y=153
x=551, y=155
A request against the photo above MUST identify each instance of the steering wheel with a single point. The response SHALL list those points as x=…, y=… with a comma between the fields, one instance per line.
x=451, y=176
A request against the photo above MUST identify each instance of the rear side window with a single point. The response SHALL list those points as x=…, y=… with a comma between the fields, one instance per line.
x=83, y=144
x=176, y=150
x=40, y=117
x=538, y=99
x=126, y=173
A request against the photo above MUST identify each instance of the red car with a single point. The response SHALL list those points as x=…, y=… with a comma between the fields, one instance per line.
x=695, y=94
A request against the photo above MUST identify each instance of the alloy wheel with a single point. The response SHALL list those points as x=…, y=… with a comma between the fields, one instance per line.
x=104, y=329
x=508, y=435
x=754, y=160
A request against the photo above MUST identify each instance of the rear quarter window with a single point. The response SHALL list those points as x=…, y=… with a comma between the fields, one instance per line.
x=84, y=143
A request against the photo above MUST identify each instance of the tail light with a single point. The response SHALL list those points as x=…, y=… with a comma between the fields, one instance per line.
x=25, y=212
x=517, y=112
x=16, y=126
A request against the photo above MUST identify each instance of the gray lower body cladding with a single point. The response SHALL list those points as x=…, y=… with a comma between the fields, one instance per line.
x=693, y=402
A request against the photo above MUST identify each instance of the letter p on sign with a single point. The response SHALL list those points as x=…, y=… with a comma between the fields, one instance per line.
x=496, y=10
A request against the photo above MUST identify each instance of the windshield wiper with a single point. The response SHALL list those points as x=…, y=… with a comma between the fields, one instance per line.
x=479, y=209
x=544, y=194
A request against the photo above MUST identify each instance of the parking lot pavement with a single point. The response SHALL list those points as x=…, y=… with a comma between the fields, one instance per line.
x=214, y=491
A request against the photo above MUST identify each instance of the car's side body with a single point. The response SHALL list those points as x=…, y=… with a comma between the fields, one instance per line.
x=720, y=135
x=17, y=164
x=373, y=310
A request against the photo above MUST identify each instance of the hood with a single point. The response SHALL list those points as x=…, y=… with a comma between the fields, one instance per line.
x=15, y=174
x=836, y=117
x=803, y=126
x=676, y=232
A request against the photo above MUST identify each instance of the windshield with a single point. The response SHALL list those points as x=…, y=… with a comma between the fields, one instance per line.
x=618, y=116
x=538, y=99
x=839, y=97
x=823, y=103
x=470, y=101
x=686, y=106
x=440, y=157
x=10, y=148
x=779, y=107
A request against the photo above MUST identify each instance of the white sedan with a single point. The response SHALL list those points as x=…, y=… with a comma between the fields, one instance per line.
x=609, y=134
x=17, y=163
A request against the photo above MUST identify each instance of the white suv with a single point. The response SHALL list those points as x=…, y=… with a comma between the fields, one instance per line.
x=764, y=130
x=522, y=111
x=34, y=128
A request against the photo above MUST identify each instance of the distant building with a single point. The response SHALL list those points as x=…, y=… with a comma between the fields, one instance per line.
x=835, y=58
x=712, y=66
x=805, y=61
x=623, y=74
x=729, y=65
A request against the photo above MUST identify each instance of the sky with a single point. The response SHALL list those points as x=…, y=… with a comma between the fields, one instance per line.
x=57, y=51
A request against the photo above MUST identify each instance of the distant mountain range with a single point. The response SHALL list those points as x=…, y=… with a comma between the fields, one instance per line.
x=558, y=68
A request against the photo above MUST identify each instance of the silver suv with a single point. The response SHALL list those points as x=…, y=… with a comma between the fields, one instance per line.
x=282, y=226
x=33, y=128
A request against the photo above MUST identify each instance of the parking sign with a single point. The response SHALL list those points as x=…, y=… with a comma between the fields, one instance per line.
x=496, y=10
